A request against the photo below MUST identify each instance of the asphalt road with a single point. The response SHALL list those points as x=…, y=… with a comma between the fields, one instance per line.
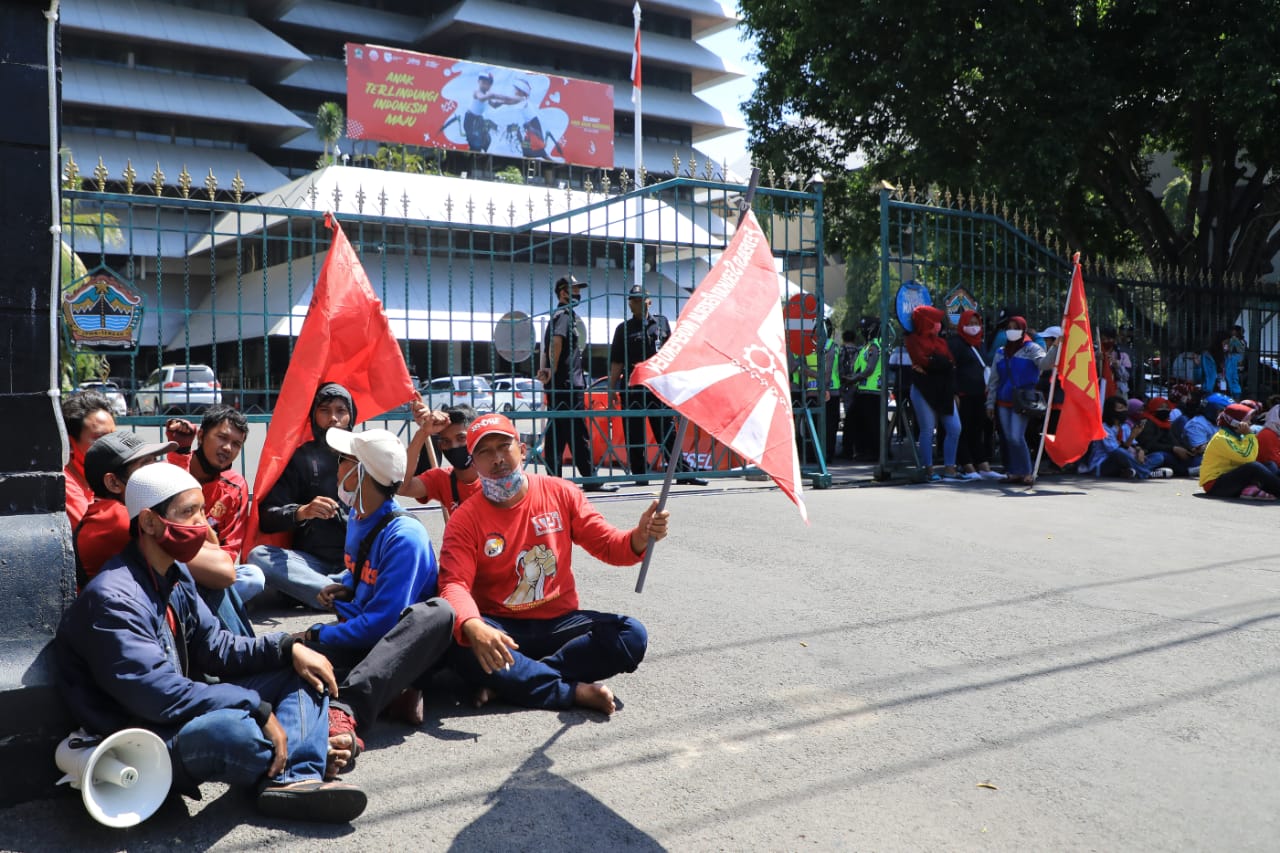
x=1089, y=665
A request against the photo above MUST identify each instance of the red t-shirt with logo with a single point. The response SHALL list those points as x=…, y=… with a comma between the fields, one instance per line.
x=517, y=561
x=436, y=481
x=226, y=505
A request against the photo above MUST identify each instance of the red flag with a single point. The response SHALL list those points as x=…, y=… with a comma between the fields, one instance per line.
x=725, y=367
x=635, y=57
x=345, y=338
x=1080, y=420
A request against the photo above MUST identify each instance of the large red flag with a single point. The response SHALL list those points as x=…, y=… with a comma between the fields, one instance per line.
x=345, y=338
x=725, y=366
x=1080, y=420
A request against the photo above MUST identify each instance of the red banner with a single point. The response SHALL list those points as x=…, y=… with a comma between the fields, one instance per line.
x=1080, y=420
x=399, y=96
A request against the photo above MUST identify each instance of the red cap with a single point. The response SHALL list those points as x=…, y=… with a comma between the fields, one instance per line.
x=489, y=424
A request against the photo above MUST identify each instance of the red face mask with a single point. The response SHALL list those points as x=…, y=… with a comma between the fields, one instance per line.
x=182, y=541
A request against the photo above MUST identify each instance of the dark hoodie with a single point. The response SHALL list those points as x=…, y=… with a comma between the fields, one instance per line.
x=312, y=471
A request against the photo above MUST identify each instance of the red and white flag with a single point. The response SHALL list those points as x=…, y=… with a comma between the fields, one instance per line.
x=1080, y=418
x=725, y=365
x=635, y=57
x=345, y=338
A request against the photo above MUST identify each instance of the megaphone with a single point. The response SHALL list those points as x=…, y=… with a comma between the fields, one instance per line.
x=123, y=778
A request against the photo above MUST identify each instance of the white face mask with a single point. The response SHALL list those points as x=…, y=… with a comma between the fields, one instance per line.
x=972, y=330
x=349, y=496
x=1013, y=335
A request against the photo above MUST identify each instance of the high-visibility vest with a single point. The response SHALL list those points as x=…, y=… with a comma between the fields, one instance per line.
x=811, y=361
x=871, y=382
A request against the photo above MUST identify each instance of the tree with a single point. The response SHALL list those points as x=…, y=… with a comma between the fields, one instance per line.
x=330, y=123
x=1058, y=108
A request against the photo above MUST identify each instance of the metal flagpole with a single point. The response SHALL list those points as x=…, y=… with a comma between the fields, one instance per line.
x=683, y=422
x=637, y=98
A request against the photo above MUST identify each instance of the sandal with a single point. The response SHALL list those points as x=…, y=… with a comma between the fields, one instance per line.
x=346, y=742
x=1253, y=493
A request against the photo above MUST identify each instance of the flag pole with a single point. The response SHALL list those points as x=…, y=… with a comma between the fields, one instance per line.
x=1053, y=378
x=637, y=97
x=682, y=423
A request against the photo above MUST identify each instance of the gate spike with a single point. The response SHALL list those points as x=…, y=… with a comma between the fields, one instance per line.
x=404, y=203
x=548, y=203
x=604, y=183
x=511, y=213
x=471, y=209
x=184, y=183
x=707, y=169
x=100, y=175
x=693, y=164
x=773, y=176
x=237, y=188
x=129, y=176
x=492, y=210
x=624, y=178
x=675, y=164
x=382, y=201
x=211, y=185
x=360, y=197
x=337, y=198
x=448, y=208
x=589, y=187
x=643, y=178
x=157, y=180
x=911, y=192
x=73, y=172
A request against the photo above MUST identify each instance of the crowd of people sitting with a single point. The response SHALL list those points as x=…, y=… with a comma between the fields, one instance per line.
x=169, y=556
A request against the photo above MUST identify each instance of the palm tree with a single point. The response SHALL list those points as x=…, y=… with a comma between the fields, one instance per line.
x=330, y=123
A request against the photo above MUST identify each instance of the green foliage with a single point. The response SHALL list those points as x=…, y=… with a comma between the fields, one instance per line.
x=509, y=175
x=1056, y=109
x=400, y=158
x=330, y=124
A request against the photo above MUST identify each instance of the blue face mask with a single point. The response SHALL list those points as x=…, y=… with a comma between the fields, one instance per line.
x=504, y=488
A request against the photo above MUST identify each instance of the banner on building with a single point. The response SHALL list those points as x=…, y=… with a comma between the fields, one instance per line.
x=401, y=97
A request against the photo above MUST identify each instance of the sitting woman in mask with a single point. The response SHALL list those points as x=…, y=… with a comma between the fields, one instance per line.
x=1118, y=454
x=933, y=390
x=453, y=485
x=1158, y=440
x=1231, y=468
x=1016, y=370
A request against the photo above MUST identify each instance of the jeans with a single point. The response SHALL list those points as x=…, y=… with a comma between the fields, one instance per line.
x=927, y=420
x=295, y=573
x=1117, y=462
x=249, y=582
x=226, y=605
x=369, y=679
x=555, y=655
x=229, y=746
x=1013, y=427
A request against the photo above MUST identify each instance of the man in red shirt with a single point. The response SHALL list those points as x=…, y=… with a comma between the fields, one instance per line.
x=506, y=569
x=103, y=531
x=450, y=486
x=210, y=453
x=88, y=417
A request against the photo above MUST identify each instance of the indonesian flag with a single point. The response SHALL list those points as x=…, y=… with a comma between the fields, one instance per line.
x=345, y=338
x=725, y=366
x=635, y=57
x=1080, y=420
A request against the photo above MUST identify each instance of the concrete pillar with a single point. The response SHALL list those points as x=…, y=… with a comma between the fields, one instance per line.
x=37, y=577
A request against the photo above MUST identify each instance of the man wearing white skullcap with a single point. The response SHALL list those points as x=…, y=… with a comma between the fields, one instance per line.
x=133, y=648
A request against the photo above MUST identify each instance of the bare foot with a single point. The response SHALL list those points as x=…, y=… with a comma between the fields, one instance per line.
x=484, y=696
x=594, y=695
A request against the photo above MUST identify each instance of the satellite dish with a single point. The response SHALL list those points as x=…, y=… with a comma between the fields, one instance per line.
x=513, y=336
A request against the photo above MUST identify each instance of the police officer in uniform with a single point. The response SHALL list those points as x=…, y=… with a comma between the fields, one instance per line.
x=566, y=383
x=866, y=381
x=635, y=340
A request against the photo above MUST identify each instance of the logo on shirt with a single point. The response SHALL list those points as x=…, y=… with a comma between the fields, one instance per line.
x=494, y=545
x=548, y=522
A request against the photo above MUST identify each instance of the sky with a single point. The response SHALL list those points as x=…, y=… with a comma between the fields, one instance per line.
x=728, y=96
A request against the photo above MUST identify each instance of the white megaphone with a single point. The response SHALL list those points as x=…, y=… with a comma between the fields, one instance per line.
x=123, y=778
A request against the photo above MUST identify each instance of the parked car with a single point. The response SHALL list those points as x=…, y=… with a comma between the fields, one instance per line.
x=178, y=389
x=473, y=391
x=111, y=391
x=518, y=393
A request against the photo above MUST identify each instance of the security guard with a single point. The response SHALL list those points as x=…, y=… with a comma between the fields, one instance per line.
x=866, y=380
x=635, y=340
x=819, y=382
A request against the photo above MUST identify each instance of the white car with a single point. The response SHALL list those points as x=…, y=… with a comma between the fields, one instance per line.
x=111, y=391
x=178, y=389
x=473, y=391
x=518, y=394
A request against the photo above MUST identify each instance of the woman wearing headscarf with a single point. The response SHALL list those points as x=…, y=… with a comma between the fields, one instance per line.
x=974, y=452
x=933, y=390
x=1017, y=368
x=1231, y=468
x=1157, y=439
x=1117, y=453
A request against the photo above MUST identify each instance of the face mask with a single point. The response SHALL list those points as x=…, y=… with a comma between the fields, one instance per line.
x=207, y=463
x=182, y=541
x=972, y=330
x=502, y=489
x=1120, y=417
x=349, y=496
x=1162, y=416
x=458, y=457
x=1013, y=335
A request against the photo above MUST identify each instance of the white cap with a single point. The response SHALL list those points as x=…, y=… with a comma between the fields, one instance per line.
x=378, y=450
x=1051, y=332
x=154, y=484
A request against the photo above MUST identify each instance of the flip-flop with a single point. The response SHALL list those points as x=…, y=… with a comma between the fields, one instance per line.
x=1253, y=493
x=313, y=800
x=353, y=745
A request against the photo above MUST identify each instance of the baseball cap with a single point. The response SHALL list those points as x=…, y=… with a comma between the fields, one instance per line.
x=491, y=424
x=155, y=484
x=1051, y=332
x=637, y=292
x=487, y=74
x=113, y=451
x=568, y=281
x=378, y=450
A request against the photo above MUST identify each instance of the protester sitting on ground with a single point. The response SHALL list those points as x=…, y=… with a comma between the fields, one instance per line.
x=1197, y=430
x=506, y=567
x=391, y=629
x=1137, y=408
x=1269, y=437
x=209, y=453
x=1016, y=370
x=1162, y=447
x=973, y=454
x=87, y=416
x=1231, y=468
x=103, y=532
x=134, y=647
x=1118, y=453
x=453, y=485
x=933, y=391
x=304, y=502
